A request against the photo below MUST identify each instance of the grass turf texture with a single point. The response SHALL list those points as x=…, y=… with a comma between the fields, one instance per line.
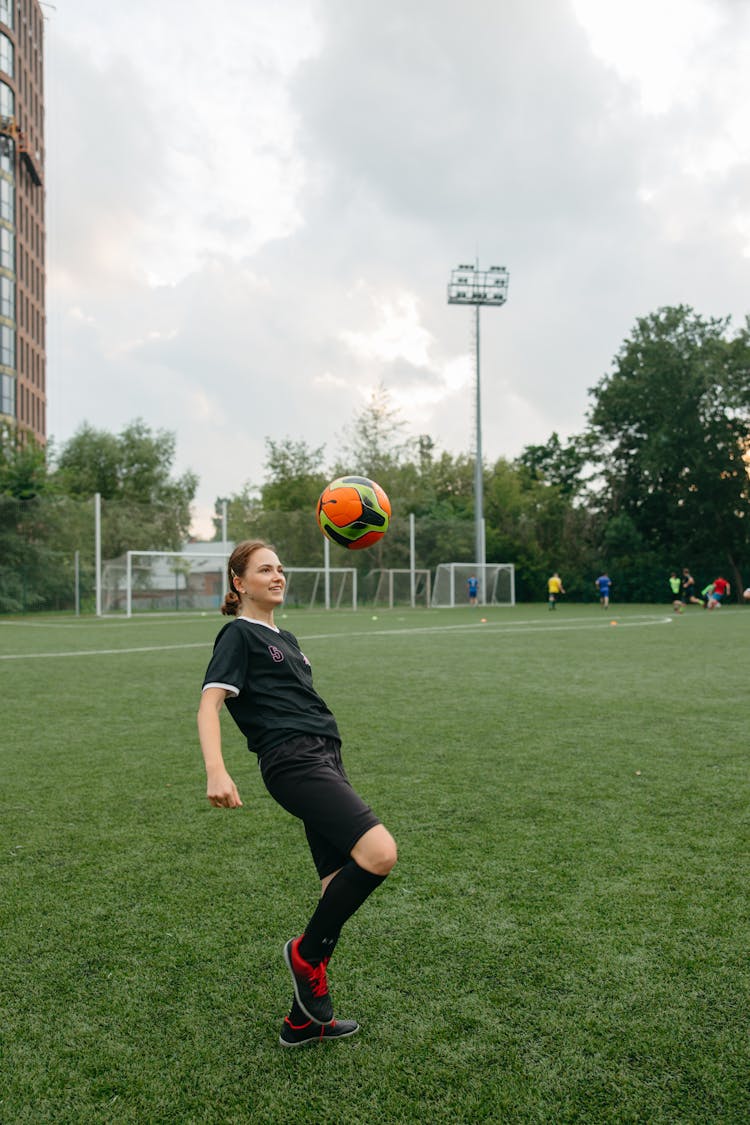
x=564, y=938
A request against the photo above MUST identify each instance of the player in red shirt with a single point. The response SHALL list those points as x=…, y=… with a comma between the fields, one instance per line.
x=721, y=590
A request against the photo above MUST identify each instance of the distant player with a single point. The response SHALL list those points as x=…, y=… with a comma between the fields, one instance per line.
x=554, y=589
x=675, y=586
x=721, y=590
x=604, y=585
x=689, y=596
x=473, y=588
x=266, y=682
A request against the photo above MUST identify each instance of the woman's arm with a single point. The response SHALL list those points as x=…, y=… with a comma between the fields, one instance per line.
x=220, y=789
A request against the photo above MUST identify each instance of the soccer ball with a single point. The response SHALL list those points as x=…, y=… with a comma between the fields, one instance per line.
x=354, y=512
x=746, y=594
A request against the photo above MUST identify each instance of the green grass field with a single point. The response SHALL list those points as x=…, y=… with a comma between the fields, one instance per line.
x=564, y=939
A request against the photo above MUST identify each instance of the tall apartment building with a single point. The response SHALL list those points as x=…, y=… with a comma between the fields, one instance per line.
x=23, y=397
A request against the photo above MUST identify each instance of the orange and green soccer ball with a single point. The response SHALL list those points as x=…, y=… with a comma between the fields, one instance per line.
x=354, y=512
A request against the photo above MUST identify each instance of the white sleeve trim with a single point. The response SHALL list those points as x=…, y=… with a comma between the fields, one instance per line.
x=227, y=687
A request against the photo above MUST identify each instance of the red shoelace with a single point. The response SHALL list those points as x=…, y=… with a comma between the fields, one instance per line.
x=318, y=979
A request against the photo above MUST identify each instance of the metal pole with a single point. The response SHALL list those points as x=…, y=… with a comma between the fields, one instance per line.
x=77, y=569
x=327, y=565
x=483, y=588
x=98, y=550
x=478, y=473
x=224, y=538
x=412, y=559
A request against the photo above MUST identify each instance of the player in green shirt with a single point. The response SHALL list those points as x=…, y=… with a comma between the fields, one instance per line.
x=675, y=585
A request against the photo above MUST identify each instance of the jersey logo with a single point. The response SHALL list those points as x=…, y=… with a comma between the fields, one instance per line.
x=276, y=654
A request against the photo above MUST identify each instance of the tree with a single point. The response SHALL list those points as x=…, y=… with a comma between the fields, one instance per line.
x=373, y=446
x=37, y=528
x=145, y=507
x=135, y=465
x=23, y=464
x=242, y=506
x=295, y=476
x=558, y=463
x=535, y=525
x=670, y=426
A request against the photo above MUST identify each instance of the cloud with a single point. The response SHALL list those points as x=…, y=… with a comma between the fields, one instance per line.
x=253, y=218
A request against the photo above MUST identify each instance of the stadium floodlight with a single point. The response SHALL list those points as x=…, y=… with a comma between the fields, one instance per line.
x=471, y=286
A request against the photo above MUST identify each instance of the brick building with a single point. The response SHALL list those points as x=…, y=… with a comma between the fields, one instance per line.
x=23, y=398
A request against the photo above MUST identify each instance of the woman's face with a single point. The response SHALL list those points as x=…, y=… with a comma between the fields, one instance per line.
x=263, y=582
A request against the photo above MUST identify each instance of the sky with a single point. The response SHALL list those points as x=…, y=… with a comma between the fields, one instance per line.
x=253, y=211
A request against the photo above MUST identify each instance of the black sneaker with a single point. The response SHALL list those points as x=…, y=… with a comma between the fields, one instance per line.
x=310, y=984
x=311, y=1032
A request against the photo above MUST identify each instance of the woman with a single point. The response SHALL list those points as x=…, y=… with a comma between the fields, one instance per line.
x=265, y=680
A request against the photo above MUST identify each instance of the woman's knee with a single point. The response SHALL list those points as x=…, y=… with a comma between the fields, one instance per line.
x=376, y=851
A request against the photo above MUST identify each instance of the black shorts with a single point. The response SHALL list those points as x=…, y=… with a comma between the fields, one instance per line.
x=306, y=777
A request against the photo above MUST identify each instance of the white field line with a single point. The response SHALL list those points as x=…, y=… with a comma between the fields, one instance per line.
x=106, y=621
x=491, y=627
x=641, y=621
x=99, y=651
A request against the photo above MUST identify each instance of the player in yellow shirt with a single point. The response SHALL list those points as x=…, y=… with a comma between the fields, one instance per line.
x=554, y=589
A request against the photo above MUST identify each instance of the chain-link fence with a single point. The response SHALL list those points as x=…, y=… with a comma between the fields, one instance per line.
x=47, y=555
x=47, y=549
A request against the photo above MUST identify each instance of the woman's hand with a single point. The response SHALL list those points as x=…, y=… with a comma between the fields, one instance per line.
x=222, y=792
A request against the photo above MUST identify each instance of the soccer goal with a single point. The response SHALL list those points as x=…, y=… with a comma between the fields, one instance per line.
x=401, y=587
x=496, y=584
x=179, y=581
x=163, y=582
x=316, y=586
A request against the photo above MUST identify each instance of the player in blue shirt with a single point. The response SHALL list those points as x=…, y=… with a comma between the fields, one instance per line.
x=604, y=585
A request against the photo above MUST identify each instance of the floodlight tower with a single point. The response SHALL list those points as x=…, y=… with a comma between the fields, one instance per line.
x=471, y=286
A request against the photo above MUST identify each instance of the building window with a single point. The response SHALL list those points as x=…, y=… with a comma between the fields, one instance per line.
x=7, y=298
x=7, y=155
x=6, y=13
x=6, y=55
x=7, y=101
x=7, y=395
x=7, y=250
x=7, y=199
x=7, y=346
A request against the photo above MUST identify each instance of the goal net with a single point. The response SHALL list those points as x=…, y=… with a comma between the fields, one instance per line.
x=401, y=587
x=163, y=582
x=316, y=587
x=496, y=584
x=179, y=581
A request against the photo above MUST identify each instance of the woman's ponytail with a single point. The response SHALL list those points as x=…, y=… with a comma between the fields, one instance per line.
x=231, y=604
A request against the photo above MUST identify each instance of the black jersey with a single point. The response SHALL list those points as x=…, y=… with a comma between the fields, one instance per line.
x=272, y=697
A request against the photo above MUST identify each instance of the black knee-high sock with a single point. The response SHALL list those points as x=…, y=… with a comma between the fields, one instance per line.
x=343, y=896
